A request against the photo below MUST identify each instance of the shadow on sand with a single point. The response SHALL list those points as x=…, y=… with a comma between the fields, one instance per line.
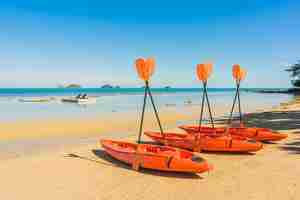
x=289, y=120
x=107, y=160
x=276, y=120
x=292, y=147
x=221, y=153
x=283, y=120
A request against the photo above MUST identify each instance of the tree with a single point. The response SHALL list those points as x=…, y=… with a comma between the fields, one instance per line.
x=294, y=71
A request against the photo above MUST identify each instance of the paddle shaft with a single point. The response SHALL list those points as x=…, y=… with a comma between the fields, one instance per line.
x=208, y=104
x=201, y=112
x=148, y=91
x=155, y=110
x=236, y=97
x=205, y=97
x=143, y=114
x=239, y=102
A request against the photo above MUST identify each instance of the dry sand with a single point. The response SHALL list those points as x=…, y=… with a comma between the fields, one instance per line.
x=85, y=172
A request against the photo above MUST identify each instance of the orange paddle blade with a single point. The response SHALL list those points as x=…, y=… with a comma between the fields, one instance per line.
x=236, y=70
x=150, y=65
x=243, y=74
x=145, y=68
x=238, y=73
x=204, y=71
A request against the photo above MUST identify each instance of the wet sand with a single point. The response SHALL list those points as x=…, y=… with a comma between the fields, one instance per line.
x=122, y=122
x=84, y=171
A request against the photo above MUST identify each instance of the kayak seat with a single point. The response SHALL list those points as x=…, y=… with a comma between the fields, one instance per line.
x=197, y=159
x=124, y=146
x=152, y=149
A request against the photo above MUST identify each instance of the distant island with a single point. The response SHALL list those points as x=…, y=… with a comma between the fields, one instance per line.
x=108, y=86
x=282, y=91
x=73, y=85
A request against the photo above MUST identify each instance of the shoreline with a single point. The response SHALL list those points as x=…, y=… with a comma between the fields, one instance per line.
x=110, y=122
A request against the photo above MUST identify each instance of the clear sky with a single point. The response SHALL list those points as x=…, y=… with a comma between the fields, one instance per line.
x=48, y=42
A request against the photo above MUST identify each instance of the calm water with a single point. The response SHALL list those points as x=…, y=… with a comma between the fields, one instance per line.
x=118, y=100
x=31, y=92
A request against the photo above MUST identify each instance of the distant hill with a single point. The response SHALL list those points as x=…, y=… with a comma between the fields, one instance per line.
x=109, y=86
x=73, y=85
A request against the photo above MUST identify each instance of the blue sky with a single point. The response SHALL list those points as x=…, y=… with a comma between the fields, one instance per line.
x=44, y=43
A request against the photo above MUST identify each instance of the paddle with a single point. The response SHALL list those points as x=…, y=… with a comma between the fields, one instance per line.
x=238, y=74
x=145, y=69
x=203, y=72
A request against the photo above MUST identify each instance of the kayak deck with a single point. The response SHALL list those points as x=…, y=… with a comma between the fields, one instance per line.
x=155, y=157
x=258, y=134
x=205, y=143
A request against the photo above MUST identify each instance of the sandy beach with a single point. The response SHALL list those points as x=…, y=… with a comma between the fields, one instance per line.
x=76, y=75
x=84, y=171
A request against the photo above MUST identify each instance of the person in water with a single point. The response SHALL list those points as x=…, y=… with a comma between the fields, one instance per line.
x=84, y=96
x=78, y=96
x=81, y=96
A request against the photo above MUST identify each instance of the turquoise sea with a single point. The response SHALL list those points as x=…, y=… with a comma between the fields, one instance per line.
x=119, y=100
x=29, y=92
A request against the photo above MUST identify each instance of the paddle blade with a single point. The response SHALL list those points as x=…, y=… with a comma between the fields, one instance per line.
x=145, y=68
x=243, y=74
x=236, y=70
x=140, y=65
x=204, y=71
x=238, y=73
x=150, y=65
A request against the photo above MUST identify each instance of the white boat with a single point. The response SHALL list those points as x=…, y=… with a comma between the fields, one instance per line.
x=88, y=100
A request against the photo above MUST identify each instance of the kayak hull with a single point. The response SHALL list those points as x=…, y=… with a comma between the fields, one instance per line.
x=155, y=157
x=258, y=134
x=205, y=143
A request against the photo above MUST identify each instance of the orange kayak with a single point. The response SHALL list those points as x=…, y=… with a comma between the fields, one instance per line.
x=155, y=157
x=205, y=143
x=258, y=134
